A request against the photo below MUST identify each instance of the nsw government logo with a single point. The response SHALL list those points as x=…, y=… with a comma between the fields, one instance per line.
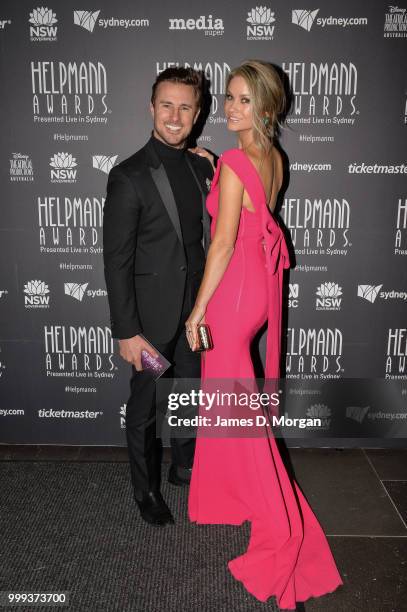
x=210, y=25
x=43, y=28
x=104, y=163
x=21, y=168
x=261, y=22
x=36, y=294
x=328, y=296
x=63, y=168
x=322, y=412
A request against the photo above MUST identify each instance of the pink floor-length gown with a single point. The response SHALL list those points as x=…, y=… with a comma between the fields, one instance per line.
x=237, y=479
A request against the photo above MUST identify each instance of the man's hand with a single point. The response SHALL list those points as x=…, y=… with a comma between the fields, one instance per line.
x=130, y=350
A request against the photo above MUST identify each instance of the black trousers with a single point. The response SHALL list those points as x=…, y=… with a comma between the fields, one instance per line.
x=144, y=447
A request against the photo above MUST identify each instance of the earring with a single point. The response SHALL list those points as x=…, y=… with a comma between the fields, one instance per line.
x=266, y=121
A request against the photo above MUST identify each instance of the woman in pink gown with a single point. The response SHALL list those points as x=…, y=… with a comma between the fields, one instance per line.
x=237, y=479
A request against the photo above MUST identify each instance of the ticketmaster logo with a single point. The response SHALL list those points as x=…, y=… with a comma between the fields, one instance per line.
x=104, y=162
x=369, y=292
x=75, y=290
x=357, y=413
x=303, y=18
x=85, y=19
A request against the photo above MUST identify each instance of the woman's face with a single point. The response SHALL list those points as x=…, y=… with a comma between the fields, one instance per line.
x=238, y=105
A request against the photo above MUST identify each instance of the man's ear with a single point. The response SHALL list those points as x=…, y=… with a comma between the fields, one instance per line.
x=152, y=109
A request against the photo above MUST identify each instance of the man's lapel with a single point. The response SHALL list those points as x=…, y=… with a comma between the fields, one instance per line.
x=160, y=178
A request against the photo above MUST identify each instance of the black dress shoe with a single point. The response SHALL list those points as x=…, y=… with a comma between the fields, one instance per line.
x=154, y=510
x=179, y=476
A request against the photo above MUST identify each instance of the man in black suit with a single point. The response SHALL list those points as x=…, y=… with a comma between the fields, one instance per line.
x=155, y=235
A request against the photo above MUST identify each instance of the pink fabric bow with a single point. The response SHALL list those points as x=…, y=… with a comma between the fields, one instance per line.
x=276, y=247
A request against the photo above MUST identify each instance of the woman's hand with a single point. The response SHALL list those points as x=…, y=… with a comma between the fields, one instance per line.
x=204, y=153
x=191, y=325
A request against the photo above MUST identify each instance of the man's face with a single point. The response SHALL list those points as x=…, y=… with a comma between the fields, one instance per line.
x=174, y=113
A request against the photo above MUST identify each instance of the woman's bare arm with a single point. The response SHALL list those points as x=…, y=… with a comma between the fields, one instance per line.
x=222, y=245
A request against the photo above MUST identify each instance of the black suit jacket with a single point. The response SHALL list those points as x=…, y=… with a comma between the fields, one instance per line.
x=143, y=250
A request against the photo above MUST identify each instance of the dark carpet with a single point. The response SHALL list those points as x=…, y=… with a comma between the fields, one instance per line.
x=73, y=527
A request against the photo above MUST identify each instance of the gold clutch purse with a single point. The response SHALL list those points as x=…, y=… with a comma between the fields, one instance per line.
x=205, y=342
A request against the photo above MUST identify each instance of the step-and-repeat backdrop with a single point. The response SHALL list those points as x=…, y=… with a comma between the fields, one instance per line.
x=75, y=88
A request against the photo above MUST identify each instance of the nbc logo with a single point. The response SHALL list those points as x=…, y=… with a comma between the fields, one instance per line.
x=369, y=292
x=320, y=411
x=357, y=413
x=260, y=20
x=85, y=19
x=36, y=294
x=123, y=416
x=303, y=18
x=75, y=290
x=63, y=165
x=42, y=28
x=104, y=163
x=293, y=292
x=328, y=296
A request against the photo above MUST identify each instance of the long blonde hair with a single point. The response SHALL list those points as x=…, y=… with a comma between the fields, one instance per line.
x=269, y=100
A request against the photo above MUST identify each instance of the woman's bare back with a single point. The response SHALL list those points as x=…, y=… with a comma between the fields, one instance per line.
x=270, y=170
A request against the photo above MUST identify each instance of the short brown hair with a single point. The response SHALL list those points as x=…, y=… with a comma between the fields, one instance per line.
x=184, y=76
x=269, y=100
